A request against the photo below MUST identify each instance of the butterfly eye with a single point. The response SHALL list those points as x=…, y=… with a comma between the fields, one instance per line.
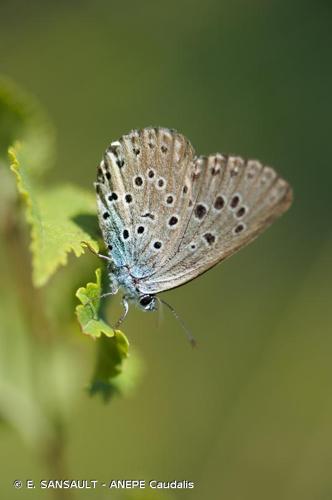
x=145, y=300
x=148, y=302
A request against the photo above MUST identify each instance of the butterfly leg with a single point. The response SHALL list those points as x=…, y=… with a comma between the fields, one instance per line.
x=114, y=290
x=92, y=250
x=125, y=311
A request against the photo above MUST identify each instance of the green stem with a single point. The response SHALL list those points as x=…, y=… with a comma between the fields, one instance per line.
x=19, y=259
x=54, y=457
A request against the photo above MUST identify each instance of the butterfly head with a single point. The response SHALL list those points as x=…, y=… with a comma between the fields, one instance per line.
x=148, y=302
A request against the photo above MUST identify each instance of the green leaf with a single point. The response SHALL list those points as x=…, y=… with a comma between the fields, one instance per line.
x=57, y=217
x=87, y=312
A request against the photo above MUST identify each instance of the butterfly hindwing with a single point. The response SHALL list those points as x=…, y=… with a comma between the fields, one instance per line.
x=235, y=201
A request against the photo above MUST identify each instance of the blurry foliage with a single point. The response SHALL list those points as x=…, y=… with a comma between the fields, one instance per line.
x=106, y=380
x=39, y=369
x=22, y=118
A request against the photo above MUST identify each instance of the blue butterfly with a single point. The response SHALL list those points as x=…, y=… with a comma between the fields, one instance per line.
x=168, y=215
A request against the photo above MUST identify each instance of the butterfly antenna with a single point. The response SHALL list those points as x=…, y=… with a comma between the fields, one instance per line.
x=87, y=245
x=182, y=323
x=160, y=316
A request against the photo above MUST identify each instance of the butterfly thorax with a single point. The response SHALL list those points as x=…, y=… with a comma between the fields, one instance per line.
x=122, y=277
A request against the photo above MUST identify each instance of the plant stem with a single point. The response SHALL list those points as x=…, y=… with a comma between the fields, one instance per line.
x=38, y=325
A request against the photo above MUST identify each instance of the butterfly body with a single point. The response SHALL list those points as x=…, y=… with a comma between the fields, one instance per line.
x=122, y=277
x=168, y=215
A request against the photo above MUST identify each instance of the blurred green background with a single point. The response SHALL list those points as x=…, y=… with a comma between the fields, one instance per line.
x=248, y=414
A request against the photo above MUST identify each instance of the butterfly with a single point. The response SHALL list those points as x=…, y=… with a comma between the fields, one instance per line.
x=168, y=215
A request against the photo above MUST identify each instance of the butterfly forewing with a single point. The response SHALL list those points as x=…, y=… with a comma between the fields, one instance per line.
x=138, y=187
